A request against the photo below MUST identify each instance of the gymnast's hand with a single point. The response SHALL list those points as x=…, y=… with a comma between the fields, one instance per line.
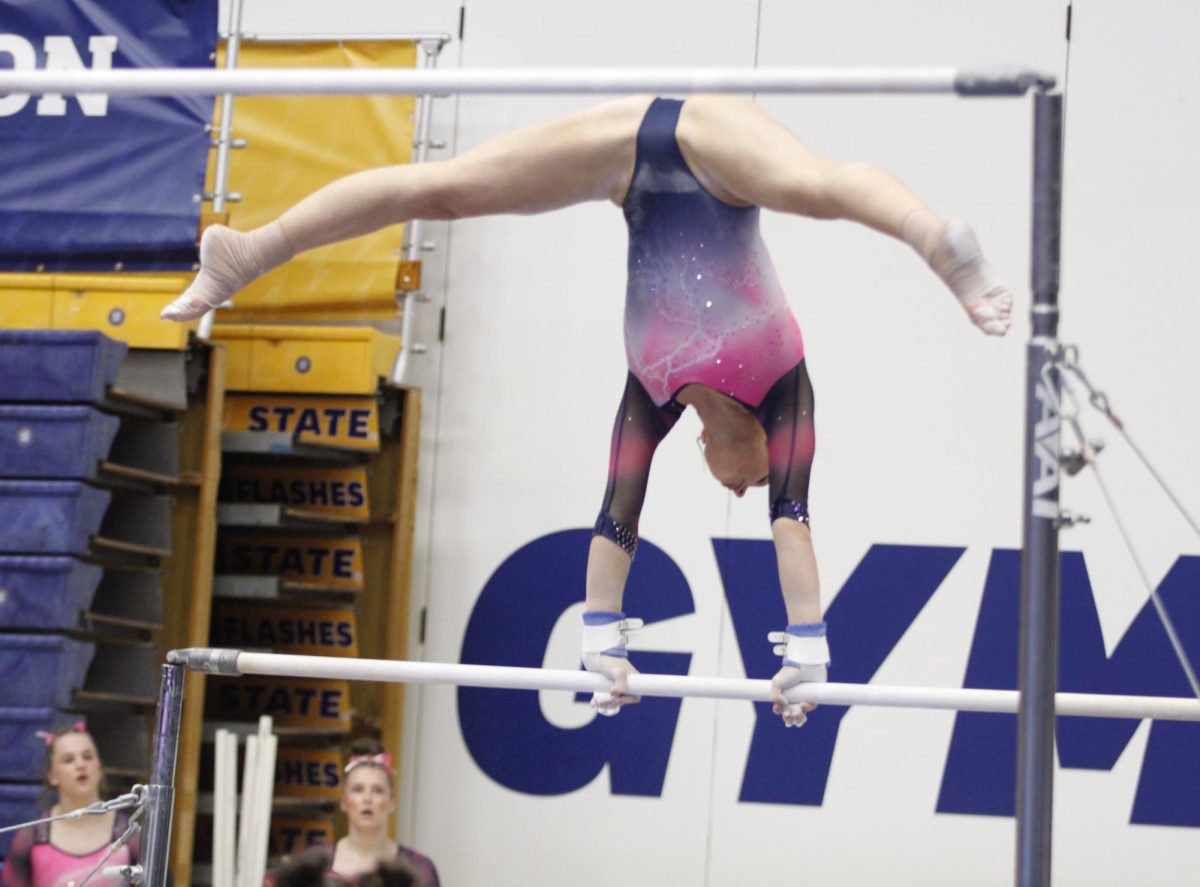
x=794, y=714
x=805, y=652
x=617, y=669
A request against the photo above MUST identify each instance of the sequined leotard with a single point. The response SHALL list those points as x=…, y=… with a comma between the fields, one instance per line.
x=703, y=306
x=703, y=303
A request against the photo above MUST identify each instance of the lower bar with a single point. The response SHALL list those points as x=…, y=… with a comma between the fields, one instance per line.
x=161, y=794
x=234, y=662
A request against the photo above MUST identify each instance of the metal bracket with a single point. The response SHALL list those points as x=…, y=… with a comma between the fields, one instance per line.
x=1067, y=519
x=1076, y=460
x=207, y=660
x=129, y=874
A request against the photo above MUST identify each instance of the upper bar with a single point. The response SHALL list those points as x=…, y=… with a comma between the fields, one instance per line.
x=409, y=81
x=238, y=662
x=411, y=37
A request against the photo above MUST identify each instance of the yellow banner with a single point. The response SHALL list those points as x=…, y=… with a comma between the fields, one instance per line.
x=338, y=492
x=304, y=630
x=351, y=422
x=329, y=562
x=308, y=773
x=291, y=702
x=296, y=144
x=290, y=835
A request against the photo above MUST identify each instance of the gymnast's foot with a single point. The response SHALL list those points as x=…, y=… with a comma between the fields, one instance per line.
x=228, y=261
x=956, y=258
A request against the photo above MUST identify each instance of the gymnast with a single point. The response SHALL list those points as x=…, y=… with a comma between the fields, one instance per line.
x=707, y=324
x=64, y=852
x=368, y=799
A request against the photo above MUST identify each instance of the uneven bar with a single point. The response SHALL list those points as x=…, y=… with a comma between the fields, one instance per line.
x=408, y=81
x=238, y=662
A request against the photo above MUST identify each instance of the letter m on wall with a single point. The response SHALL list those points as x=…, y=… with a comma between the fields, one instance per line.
x=981, y=764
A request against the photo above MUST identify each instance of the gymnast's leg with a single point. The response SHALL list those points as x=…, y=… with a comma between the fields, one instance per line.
x=786, y=414
x=584, y=156
x=743, y=153
x=639, y=428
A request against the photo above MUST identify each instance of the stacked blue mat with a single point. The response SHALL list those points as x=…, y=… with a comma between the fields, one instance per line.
x=53, y=437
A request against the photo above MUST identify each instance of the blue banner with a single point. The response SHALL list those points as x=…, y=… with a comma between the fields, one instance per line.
x=97, y=182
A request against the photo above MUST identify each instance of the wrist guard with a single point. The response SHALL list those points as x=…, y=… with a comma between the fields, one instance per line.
x=605, y=634
x=805, y=647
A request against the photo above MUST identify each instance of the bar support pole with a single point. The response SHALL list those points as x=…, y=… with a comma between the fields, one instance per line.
x=160, y=798
x=1039, y=562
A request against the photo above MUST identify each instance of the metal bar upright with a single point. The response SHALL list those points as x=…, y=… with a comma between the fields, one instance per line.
x=160, y=797
x=225, y=132
x=1039, y=562
x=224, y=137
x=431, y=48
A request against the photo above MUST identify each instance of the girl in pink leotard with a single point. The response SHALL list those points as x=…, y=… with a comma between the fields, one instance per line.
x=703, y=307
x=60, y=854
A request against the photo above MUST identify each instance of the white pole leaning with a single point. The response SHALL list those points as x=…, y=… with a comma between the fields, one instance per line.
x=258, y=783
x=236, y=662
x=225, y=809
x=246, y=819
x=528, y=81
x=220, y=805
x=264, y=792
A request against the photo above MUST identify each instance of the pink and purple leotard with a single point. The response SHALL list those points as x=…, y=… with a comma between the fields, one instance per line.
x=34, y=862
x=703, y=306
x=703, y=303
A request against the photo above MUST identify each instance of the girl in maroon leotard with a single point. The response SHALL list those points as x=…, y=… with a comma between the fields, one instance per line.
x=367, y=800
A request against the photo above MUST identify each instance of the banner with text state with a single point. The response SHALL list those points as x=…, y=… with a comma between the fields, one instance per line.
x=97, y=182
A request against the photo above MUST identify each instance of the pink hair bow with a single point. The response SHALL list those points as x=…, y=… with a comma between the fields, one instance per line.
x=79, y=726
x=382, y=760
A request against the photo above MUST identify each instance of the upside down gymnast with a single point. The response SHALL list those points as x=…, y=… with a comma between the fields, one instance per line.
x=707, y=324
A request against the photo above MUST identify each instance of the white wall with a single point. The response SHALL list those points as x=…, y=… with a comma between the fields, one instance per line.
x=920, y=422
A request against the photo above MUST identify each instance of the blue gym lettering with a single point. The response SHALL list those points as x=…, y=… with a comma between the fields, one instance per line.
x=521, y=602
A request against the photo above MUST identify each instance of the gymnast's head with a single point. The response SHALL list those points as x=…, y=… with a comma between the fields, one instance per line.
x=368, y=795
x=73, y=766
x=735, y=449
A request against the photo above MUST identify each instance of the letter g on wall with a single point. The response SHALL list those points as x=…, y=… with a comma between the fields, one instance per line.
x=511, y=625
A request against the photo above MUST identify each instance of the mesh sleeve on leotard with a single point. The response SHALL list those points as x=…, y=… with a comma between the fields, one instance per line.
x=639, y=428
x=786, y=414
